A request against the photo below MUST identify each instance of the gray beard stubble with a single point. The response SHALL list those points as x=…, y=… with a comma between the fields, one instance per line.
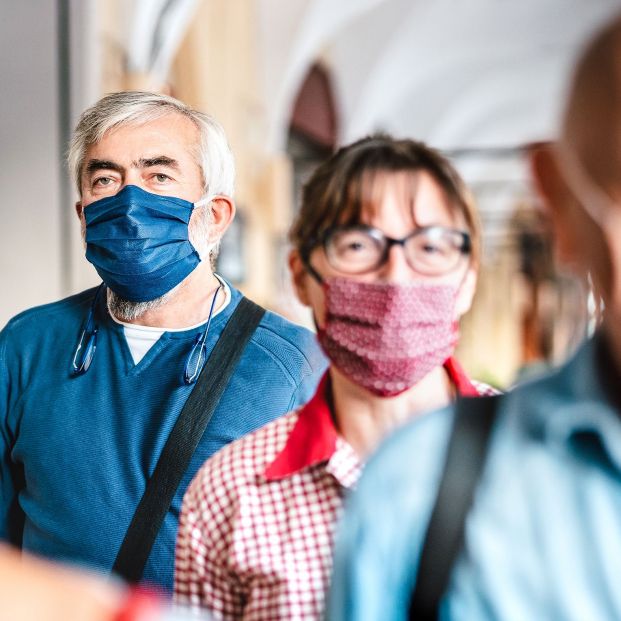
x=126, y=310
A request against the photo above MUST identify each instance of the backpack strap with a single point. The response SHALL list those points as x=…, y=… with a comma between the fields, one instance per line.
x=466, y=453
x=183, y=440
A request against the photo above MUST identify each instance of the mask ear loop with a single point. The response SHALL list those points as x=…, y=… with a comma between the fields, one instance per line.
x=305, y=255
x=197, y=352
x=201, y=202
x=87, y=343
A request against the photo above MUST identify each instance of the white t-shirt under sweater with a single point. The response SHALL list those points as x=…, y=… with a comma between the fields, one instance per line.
x=140, y=339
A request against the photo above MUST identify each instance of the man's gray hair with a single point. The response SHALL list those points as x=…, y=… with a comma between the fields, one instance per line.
x=137, y=107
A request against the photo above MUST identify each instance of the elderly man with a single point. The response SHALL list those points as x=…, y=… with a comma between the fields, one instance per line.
x=539, y=536
x=93, y=387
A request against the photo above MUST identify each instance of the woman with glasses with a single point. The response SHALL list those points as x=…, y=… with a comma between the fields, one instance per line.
x=385, y=253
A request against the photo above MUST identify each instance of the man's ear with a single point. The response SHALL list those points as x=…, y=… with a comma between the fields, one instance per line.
x=547, y=177
x=79, y=209
x=299, y=276
x=222, y=214
x=557, y=200
x=466, y=293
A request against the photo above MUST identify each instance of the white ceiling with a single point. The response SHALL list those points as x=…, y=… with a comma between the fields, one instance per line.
x=456, y=73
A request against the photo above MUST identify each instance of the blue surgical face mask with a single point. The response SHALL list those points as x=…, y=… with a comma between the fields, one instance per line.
x=139, y=242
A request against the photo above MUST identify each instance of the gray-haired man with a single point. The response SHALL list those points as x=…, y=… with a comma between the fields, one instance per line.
x=92, y=385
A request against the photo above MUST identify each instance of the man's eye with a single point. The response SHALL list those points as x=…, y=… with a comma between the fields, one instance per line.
x=103, y=181
x=161, y=177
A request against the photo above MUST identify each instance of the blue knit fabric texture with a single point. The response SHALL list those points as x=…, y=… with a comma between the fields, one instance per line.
x=76, y=452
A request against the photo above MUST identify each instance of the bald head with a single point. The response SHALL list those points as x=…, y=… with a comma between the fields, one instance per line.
x=579, y=178
x=592, y=120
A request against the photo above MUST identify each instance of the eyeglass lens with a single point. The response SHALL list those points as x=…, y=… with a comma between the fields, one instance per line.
x=432, y=250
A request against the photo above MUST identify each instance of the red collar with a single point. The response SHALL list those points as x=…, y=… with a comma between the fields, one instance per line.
x=313, y=437
x=457, y=375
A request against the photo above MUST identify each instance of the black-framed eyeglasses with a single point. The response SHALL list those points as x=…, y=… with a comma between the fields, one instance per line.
x=429, y=250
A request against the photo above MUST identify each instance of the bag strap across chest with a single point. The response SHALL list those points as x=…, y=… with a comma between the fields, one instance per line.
x=183, y=440
x=466, y=453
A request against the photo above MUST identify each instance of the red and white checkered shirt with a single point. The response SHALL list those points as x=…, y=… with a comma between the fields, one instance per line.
x=257, y=523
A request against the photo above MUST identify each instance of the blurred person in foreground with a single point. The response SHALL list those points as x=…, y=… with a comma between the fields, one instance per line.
x=542, y=537
x=35, y=590
x=92, y=386
x=385, y=253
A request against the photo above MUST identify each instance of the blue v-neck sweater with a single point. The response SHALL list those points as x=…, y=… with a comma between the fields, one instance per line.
x=76, y=452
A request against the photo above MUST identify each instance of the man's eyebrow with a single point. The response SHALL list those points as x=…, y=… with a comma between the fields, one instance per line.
x=94, y=165
x=160, y=160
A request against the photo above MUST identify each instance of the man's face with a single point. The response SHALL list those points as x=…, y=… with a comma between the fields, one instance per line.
x=158, y=156
x=584, y=215
x=599, y=229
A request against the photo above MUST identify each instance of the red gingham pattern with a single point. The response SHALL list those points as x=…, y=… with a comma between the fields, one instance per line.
x=258, y=521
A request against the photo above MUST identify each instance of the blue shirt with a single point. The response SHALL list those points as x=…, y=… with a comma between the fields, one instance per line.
x=543, y=538
x=76, y=452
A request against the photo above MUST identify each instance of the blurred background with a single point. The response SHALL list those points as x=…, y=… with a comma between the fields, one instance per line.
x=290, y=80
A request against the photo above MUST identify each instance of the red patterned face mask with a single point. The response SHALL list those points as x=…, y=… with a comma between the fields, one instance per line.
x=386, y=337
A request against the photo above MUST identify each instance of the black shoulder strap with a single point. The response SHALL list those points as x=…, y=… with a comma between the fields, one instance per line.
x=467, y=449
x=183, y=440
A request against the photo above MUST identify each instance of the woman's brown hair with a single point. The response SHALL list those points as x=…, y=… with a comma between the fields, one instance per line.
x=335, y=193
